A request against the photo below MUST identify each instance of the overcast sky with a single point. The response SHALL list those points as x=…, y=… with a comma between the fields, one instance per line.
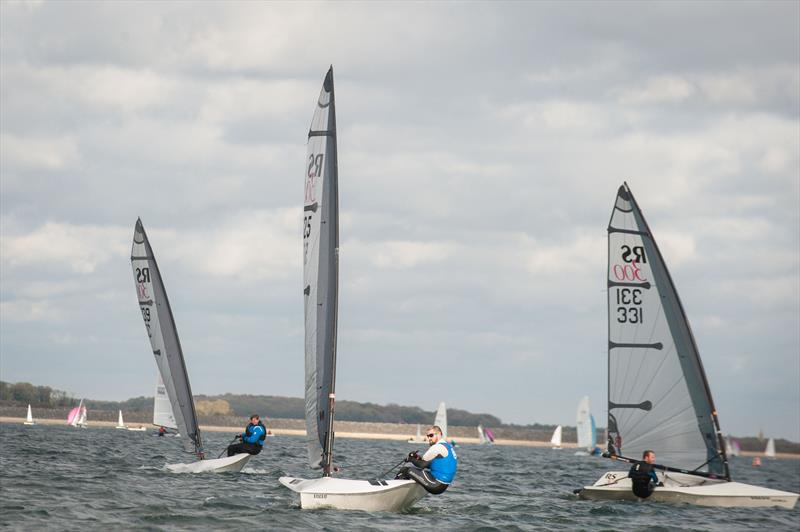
x=480, y=149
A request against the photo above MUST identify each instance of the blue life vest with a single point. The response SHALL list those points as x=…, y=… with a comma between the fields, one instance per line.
x=255, y=434
x=443, y=468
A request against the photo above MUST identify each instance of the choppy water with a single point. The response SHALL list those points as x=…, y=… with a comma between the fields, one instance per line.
x=54, y=477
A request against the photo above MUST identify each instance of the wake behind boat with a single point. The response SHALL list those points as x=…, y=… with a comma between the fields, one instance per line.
x=321, y=293
x=658, y=395
x=166, y=346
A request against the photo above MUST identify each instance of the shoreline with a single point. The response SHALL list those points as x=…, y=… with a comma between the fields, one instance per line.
x=345, y=434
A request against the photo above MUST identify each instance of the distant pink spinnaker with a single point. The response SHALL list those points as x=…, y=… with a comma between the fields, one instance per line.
x=72, y=418
x=489, y=434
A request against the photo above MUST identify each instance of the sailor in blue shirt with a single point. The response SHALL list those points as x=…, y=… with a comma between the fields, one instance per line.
x=252, y=440
x=436, y=468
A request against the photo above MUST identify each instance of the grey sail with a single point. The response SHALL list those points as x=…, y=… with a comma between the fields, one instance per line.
x=321, y=276
x=658, y=395
x=166, y=345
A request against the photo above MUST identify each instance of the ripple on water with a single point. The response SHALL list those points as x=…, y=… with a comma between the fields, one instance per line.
x=102, y=479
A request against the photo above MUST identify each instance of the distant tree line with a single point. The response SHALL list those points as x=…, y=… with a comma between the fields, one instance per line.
x=27, y=393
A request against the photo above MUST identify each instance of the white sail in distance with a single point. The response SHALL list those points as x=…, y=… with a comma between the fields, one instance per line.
x=441, y=419
x=769, y=452
x=162, y=408
x=556, y=439
x=584, y=425
x=163, y=335
x=658, y=395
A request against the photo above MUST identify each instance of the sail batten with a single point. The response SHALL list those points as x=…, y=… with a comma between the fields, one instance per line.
x=658, y=395
x=321, y=277
x=163, y=335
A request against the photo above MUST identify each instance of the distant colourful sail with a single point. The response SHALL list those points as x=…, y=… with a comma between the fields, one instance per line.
x=72, y=418
x=489, y=434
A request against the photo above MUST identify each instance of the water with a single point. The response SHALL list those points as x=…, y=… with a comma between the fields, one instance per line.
x=54, y=477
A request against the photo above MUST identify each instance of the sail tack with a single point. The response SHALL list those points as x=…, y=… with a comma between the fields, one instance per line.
x=321, y=276
x=658, y=396
x=166, y=345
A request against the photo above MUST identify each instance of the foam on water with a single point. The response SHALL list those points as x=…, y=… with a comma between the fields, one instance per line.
x=58, y=477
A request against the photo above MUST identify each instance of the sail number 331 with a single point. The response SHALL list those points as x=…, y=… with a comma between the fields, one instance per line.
x=629, y=309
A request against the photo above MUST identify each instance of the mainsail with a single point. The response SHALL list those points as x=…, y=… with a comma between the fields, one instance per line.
x=321, y=276
x=160, y=325
x=162, y=408
x=769, y=452
x=441, y=419
x=556, y=438
x=74, y=414
x=658, y=395
x=584, y=425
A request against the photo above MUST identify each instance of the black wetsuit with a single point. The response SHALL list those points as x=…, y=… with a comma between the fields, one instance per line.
x=643, y=479
x=422, y=476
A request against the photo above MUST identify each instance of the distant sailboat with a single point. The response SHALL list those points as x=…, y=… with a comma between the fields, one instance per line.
x=418, y=438
x=29, y=418
x=321, y=294
x=120, y=423
x=658, y=396
x=485, y=436
x=555, y=441
x=162, y=408
x=166, y=348
x=77, y=416
x=769, y=452
x=441, y=419
x=732, y=447
x=585, y=428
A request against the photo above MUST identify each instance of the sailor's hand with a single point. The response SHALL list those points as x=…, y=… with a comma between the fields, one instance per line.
x=238, y=437
x=413, y=455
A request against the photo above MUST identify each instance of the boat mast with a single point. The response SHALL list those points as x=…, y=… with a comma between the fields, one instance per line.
x=701, y=370
x=333, y=212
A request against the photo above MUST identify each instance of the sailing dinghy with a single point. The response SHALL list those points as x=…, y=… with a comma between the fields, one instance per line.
x=769, y=452
x=29, y=418
x=555, y=441
x=658, y=394
x=418, y=438
x=120, y=423
x=166, y=345
x=320, y=292
x=485, y=436
x=585, y=428
x=77, y=416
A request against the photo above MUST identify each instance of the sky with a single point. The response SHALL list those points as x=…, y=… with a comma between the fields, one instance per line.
x=481, y=145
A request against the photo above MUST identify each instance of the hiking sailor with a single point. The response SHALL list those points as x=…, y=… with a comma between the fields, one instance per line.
x=643, y=476
x=252, y=440
x=436, y=468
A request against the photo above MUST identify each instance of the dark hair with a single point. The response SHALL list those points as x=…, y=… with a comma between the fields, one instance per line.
x=254, y=416
x=644, y=454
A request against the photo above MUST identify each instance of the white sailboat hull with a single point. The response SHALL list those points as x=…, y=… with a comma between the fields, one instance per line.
x=690, y=489
x=229, y=464
x=347, y=494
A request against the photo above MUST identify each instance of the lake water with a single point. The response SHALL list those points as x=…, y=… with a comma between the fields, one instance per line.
x=54, y=477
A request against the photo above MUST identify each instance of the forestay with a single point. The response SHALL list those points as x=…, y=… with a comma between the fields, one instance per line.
x=320, y=276
x=166, y=345
x=162, y=409
x=658, y=396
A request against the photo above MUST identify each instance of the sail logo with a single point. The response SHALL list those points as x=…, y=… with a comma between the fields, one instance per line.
x=142, y=275
x=314, y=171
x=636, y=251
x=628, y=272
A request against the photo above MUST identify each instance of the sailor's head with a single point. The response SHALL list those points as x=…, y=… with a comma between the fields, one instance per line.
x=433, y=434
x=254, y=419
x=649, y=456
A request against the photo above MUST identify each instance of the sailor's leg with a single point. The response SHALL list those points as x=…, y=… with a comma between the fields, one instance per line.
x=424, y=478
